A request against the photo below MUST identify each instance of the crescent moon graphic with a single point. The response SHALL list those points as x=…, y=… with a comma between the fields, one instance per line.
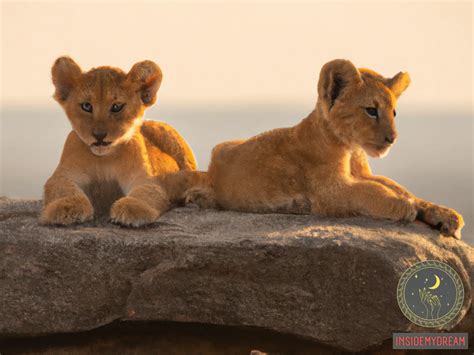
x=436, y=284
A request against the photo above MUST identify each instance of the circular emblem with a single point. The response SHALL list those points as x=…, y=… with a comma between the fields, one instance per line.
x=430, y=293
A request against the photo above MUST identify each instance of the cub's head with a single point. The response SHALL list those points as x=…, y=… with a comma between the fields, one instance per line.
x=105, y=105
x=360, y=105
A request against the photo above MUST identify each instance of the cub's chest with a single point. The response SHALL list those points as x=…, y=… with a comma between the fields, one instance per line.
x=102, y=194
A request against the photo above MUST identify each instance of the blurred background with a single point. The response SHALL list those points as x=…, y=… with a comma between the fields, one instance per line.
x=232, y=70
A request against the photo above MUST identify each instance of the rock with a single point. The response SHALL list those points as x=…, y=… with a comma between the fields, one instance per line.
x=329, y=280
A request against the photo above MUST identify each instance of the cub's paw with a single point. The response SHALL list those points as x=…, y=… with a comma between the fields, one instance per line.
x=132, y=212
x=66, y=211
x=204, y=197
x=447, y=220
x=406, y=210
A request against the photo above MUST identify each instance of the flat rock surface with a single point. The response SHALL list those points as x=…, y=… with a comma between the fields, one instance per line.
x=329, y=280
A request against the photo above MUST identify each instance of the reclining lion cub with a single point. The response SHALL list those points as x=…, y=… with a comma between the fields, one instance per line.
x=320, y=165
x=110, y=143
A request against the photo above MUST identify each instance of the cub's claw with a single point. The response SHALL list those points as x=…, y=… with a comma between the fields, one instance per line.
x=132, y=212
x=67, y=211
x=451, y=228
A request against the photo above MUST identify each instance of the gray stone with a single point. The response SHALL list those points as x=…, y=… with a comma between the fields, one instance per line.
x=329, y=280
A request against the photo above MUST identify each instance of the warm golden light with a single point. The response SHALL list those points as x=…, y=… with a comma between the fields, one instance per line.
x=224, y=52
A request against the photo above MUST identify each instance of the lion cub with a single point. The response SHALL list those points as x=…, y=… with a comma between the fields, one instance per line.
x=320, y=165
x=110, y=143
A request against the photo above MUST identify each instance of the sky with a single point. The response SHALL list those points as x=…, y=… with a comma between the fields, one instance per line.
x=236, y=53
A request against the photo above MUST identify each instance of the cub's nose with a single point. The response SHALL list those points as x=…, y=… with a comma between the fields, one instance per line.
x=390, y=138
x=99, y=135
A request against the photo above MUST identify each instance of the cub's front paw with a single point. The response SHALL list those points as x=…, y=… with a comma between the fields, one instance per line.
x=447, y=220
x=67, y=210
x=132, y=212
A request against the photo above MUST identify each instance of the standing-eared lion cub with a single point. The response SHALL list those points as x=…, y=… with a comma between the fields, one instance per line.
x=111, y=143
x=320, y=166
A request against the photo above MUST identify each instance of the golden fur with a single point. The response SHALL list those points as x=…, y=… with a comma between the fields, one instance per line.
x=112, y=147
x=320, y=165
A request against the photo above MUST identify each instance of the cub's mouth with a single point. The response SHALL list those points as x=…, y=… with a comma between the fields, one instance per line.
x=101, y=144
x=378, y=151
x=100, y=148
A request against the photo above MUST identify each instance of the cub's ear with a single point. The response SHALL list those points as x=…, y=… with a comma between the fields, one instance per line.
x=334, y=77
x=398, y=83
x=65, y=73
x=146, y=77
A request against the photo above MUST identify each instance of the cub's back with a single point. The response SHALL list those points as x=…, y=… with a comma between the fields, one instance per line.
x=259, y=161
x=169, y=141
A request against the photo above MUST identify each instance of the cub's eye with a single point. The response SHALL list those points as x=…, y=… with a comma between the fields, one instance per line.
x=372, y=111
x=86, y=106
x=117, y=107
x=394, y=113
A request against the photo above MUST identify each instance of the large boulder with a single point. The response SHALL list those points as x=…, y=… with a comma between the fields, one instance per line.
x=329, y=280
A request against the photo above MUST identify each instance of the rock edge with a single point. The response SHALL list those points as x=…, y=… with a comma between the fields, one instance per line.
x=329, y=280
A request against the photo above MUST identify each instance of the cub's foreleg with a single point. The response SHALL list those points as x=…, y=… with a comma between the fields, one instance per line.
x=64, y=201
x=143, y=204
x=362, y=197
x=447, y=220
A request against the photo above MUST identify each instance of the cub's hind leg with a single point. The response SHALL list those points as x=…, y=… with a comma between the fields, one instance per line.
x=185, y=187
x=202, y=196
